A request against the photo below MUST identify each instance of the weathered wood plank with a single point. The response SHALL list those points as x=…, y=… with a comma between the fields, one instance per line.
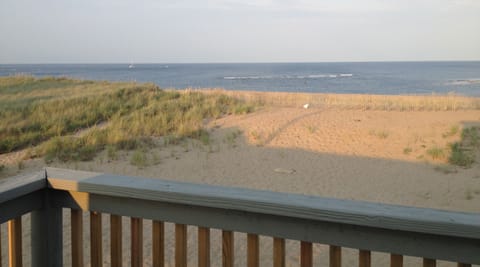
x=335, y=256
x=203, y=247
x=180, y=245
x=396, y=260
x=16, y=186
x=228, y=255
x=76, y=221
x=365, y=258
x=278, y=252
x=15, y=242
x=253, y=250
x=96, y=257
x=382, y=216
x=306, y=254
x=136, y=241
x=116, y=255
x=158, y=244
x=429, y=262
x=390, y=241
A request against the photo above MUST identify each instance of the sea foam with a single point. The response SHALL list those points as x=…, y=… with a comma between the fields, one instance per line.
x=271, y=77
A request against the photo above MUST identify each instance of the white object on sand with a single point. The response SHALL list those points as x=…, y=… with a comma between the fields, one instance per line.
x=306, y=106
x=287, y=171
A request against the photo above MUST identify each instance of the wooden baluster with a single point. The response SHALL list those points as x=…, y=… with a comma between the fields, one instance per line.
x=96, y=258
x=76, y=221
x=116, y=256
x=306, y=254
x=396, y=260
x=158, y=244
x=429, y=262
x=136, y=246
x=180, y=245
x=203, y=247
x=278, y=252
x=253, y=250
x=15, y=242
x=335, y=256
x=0, y=245
x=365, y=258
x=227, y=248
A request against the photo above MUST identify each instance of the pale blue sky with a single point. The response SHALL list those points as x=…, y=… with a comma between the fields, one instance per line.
x=185, y=31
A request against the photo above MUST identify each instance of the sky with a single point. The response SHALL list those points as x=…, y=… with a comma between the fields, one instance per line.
x=202, y=31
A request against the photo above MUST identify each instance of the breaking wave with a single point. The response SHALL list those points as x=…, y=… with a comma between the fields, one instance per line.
x=271, y=77
x=463, y=82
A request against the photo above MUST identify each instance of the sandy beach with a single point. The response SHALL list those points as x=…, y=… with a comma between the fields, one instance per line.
x=372, y=155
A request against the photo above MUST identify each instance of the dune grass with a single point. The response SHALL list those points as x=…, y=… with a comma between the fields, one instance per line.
x=431, y=102
x=50, y=113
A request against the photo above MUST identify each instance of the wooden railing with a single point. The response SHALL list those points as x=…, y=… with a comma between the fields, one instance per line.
x=426, y=233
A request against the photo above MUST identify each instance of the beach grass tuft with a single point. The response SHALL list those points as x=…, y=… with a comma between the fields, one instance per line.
x=459, y=156
x=231, y=138
x=451, y=132
x=112, y=152
x=463, y=152
x=407, y=150
x=436, y=152
x=139, y=159
x=311, y=128
x=471, y=136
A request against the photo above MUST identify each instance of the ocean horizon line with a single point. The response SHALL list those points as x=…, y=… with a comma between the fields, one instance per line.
x=239, y=62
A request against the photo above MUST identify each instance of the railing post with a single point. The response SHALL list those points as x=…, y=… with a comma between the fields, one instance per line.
x=47, y=239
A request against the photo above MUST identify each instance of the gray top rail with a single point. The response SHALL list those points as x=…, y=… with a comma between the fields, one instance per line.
x=394, y=217
x=21, y=194
x=17, y=186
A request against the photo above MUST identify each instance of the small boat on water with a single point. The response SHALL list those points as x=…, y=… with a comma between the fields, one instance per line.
x=131, y=66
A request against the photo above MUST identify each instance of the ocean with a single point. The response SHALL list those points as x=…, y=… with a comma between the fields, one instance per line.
x=393, y=78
